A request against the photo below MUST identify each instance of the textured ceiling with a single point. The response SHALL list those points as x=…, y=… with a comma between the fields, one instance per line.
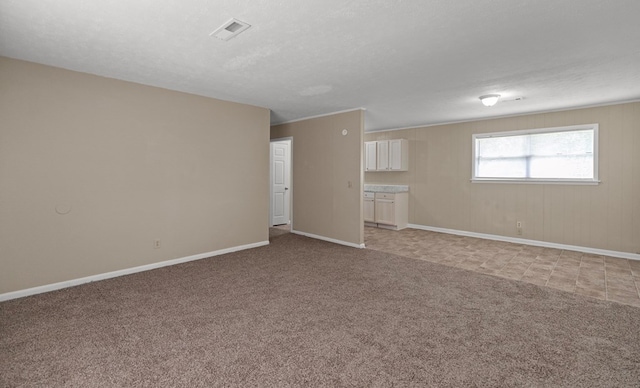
x=408, y=63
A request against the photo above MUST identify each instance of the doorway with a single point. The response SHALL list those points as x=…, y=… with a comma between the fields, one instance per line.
x=280, y=191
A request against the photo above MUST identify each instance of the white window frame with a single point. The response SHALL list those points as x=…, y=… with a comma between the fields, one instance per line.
x=589, y=181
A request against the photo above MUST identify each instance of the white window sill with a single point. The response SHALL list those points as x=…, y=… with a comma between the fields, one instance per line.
x=538, y=181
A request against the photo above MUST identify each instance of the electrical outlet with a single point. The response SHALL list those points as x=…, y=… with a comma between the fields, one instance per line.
x=156, y=243
x=519, y=228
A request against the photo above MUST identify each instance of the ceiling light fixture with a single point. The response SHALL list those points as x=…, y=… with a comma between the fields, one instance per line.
x=489, y=99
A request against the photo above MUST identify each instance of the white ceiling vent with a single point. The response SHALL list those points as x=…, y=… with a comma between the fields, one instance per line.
x=230, y=29
x=509, y=99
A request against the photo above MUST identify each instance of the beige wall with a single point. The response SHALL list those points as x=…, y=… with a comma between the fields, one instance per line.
x=324, y=162
x=134, y=163
x=606, y=216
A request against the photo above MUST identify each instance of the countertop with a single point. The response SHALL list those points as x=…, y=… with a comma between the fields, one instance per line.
x=386, y=188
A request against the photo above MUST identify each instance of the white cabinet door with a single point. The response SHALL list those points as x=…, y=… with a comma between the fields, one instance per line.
x=396, y=155
x=385, y=211
x=383, y=155
x=386, y=155
x=370, y=156
x=369, y=210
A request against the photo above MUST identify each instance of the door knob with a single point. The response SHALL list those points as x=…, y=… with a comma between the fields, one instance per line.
x=286, y=188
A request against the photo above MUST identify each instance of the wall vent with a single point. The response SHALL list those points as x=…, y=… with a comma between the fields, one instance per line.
x=230, y=29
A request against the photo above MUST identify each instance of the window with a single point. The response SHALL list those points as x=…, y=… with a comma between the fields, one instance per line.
x=549, y=155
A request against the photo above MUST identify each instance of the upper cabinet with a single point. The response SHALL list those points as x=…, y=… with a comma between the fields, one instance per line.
x=387, y=155
x=370, y=160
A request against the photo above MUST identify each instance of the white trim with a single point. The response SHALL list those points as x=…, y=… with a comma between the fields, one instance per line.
x=122, y=272
x=537, y=243
x=329, y=239
x=504, y=116
x=522, y=132
x=318, y=116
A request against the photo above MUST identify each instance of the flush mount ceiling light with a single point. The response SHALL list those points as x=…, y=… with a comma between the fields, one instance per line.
x=489, y=99
x=230, y=29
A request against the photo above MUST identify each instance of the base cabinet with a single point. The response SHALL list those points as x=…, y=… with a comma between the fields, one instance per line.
x=369, y=207
x=386, y=210
x=391, y=211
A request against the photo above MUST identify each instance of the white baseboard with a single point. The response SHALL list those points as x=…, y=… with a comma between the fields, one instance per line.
x=329, y=239
x=595, y=251
x=122, y=272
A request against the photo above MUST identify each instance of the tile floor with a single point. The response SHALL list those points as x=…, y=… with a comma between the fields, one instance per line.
x=601, y=277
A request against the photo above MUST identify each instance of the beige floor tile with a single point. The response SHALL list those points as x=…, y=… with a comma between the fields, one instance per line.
x=616, y=262
x=569, y=271
x=510, y=275
x=592, y=262
x=618, y=272
x=564, y=286
x=635, y=267
x=546, y=261
x=591, y=275
x=470, y=265
x=592, y=256
x=563, y=273
x=534, y=269
x=493, y=265
x=582, y=273
x=591, y=279
x=503, y=256
x=622, y=288
x=596, y=272
x=594, y=293
x=532, y=249
x=626, y=283
x=625, y=298
x=552, y=258
x=591, y=265
x=513, y=271
x=568, y=262
x=575, y=254
x=594, y=284
x=487, y=271
x=552, y=251
x=567, y=276
x=534, y=280
x=448, y=262
x=524, y=258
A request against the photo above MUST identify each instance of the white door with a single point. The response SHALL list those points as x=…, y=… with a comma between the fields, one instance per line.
x=280, y=182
